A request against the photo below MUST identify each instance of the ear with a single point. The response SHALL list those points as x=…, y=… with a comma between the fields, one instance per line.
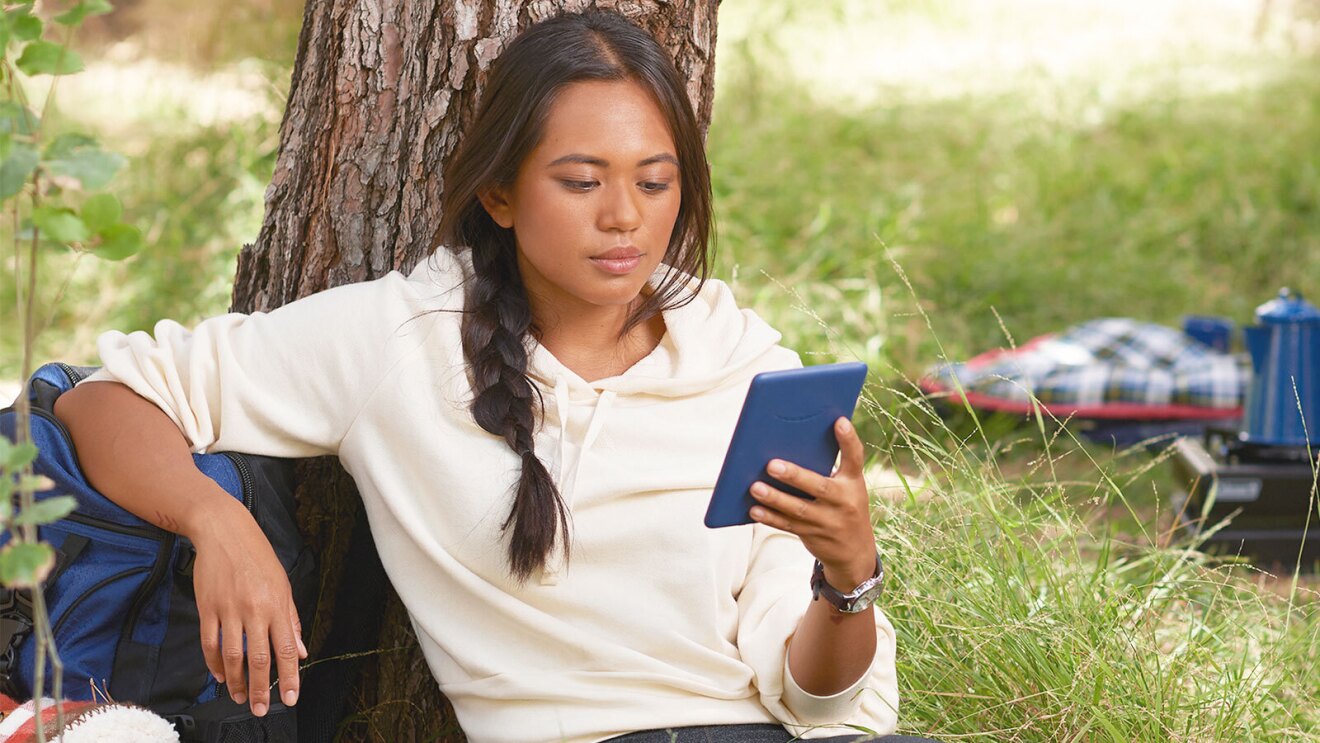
x=495, y=200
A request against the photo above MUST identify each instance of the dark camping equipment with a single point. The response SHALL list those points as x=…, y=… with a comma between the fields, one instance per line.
x=1253, y=491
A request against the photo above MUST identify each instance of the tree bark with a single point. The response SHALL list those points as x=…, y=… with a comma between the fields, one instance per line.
x=381, y=90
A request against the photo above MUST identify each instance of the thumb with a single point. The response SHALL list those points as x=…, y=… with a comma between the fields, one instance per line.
x=853, y=458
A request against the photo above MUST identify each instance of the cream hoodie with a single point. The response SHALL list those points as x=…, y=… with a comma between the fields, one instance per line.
x=655, y=622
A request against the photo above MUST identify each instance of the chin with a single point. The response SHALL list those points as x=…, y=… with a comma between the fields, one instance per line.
x=617, y=296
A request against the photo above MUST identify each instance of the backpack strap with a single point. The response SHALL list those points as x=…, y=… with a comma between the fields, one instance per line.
x=355, y=626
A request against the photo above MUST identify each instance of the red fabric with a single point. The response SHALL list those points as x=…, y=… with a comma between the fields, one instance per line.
x=1117, y=411
x=27, y=732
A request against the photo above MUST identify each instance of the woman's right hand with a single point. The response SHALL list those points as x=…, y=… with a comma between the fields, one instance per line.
x=242, y=592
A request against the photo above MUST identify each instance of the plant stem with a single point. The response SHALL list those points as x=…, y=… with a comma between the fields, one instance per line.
x=26, y=495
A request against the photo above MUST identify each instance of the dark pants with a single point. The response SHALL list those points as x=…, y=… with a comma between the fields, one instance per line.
x=756, y=733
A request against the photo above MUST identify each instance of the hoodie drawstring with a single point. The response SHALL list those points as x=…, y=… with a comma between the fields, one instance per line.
x=566, y=472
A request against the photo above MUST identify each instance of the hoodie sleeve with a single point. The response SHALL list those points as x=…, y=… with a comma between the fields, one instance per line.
x=287, y=383
x=772, y=601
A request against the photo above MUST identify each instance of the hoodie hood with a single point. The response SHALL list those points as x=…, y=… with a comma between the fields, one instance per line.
x=707, y=340
x=708, y=344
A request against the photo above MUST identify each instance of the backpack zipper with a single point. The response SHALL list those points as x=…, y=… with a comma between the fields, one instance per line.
x=68, y=612
x=245, y=479
x=146, y=531
x=73, y=375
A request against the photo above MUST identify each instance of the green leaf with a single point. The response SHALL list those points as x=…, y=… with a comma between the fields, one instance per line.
x=48, y=58
x=24, y=565
x=75, y=15
x=119, y=241
x=68, y=144
x=20, y=455
x=101, y=211
x=46, y=511
x=17, y=119
x=79, y=157
x=16, y=169
x=26, y=27
x=17, y=23
x=60, y=224
x=27, y=232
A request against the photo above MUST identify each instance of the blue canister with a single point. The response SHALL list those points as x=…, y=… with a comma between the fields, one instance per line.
x=1215, y=332
x=1284, y=403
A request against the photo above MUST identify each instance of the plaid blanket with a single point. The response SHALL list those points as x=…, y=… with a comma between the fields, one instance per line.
x=1114, y=368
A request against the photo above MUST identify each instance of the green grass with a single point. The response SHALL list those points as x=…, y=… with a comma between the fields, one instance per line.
x=1202, y=205
x=1023, y=614
x=1034, y=586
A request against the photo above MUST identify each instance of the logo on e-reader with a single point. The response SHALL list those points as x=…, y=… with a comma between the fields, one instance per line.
x=800, y=418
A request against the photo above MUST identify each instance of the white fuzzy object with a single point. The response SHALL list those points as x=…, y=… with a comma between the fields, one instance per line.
x=85, y=722
x=120, y=724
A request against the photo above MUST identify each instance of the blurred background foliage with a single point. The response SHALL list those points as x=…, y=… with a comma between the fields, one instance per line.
x=1052, y=161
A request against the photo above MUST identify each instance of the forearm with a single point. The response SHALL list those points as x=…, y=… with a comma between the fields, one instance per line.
x=132, y=453
x=830, y=649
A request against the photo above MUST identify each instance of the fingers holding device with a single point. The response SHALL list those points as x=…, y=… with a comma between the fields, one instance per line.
x=779, y=467
x=789, y=418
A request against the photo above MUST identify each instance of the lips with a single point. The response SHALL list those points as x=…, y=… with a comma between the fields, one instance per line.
x=618, y=261
x=618, y=254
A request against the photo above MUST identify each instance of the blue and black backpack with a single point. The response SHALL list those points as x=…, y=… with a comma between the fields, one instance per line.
x=120, y=597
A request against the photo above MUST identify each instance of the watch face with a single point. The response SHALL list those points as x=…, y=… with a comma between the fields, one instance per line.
x=854, y=602
x=868, y=595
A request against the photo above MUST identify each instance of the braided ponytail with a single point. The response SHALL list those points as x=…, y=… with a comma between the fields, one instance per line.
x=497, y=322
x=494, y=333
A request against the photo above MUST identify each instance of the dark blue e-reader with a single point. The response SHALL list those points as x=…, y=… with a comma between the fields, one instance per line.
x=787, y=415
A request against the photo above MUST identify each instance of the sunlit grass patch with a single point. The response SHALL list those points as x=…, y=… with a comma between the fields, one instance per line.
x=1203, y=205
x=1022, y=615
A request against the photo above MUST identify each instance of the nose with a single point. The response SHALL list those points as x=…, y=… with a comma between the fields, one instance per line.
x=620, y=210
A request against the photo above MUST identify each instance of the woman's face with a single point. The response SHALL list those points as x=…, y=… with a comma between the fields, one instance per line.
x=594, y=204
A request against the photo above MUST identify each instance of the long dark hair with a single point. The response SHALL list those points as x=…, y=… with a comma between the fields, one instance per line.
x=498, y=324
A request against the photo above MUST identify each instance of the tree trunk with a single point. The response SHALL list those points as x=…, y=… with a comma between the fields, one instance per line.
x=380, y=93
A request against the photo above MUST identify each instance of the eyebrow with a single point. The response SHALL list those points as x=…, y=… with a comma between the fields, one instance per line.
x=663, y=157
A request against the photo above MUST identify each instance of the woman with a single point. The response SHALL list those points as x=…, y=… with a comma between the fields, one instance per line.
x=535, y=419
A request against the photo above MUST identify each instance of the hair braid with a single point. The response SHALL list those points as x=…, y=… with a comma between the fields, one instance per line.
x=495, y=327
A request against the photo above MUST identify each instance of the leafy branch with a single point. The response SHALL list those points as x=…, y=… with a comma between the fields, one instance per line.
x=46, y=185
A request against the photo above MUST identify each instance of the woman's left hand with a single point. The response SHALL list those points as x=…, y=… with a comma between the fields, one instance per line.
x=836, y=526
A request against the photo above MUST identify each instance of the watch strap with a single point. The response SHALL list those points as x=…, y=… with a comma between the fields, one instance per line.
x=855, y=601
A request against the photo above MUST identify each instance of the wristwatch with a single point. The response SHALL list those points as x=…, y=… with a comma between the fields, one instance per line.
x=849, y=603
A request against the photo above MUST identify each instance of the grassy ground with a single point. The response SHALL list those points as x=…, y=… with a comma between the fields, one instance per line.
x=904, y=182
x=1038, y=596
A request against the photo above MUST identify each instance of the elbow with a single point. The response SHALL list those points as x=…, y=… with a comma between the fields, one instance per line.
x=85, y=404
